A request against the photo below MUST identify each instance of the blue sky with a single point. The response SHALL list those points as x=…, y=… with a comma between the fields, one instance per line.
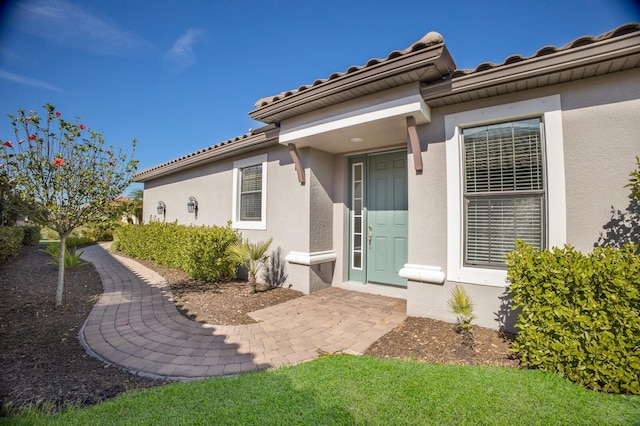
x=183, y=75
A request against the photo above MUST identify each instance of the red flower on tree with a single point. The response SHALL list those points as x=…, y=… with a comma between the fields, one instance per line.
x=82, y=127
x=32, y=137
x=58, y=114
x=8, y=144
x=58, y=161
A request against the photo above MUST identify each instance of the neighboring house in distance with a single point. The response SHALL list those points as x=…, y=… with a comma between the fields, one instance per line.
x=406, y=176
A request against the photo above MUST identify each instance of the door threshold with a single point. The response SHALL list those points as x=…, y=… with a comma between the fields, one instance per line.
x=370, y=288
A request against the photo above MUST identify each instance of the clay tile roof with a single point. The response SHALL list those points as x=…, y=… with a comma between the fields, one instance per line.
x=429, y=39
x=190, y=155
x=547, y=50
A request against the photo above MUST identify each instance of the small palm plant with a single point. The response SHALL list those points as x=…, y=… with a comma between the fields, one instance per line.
x=252, y=256
x=462, y=305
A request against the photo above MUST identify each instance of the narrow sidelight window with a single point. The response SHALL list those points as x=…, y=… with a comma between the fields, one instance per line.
x=357, y=224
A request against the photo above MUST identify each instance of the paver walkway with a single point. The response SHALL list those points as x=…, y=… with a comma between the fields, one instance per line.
x=136, y=326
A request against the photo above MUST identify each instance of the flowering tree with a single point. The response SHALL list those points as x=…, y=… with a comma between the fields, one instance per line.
x=64, y=170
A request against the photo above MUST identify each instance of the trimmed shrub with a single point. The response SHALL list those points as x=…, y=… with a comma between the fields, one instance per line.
x=580, y=314
x=102, y=235
x=31, y=235
x=78, y=241
x=10, y=241
x=206, y=253
x=199, y=251
x=47, y=233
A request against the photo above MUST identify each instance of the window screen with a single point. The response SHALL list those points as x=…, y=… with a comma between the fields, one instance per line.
x=504, y=190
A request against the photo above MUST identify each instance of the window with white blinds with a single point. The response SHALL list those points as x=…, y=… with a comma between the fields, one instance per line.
x=249, y=207
x=504, y=194
x=251, y=193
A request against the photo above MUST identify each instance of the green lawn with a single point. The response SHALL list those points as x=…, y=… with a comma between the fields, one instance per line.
x=345, y=390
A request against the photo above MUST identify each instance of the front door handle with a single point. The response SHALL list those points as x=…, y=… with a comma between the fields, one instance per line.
x=370, y=234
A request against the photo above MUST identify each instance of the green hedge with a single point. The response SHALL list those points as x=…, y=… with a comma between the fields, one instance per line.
x=580, y=314
x=78, y=241
x=10, y=241
x=199, y=251
x=31, y=235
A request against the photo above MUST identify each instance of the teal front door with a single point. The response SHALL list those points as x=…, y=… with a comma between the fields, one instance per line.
x=382, y=222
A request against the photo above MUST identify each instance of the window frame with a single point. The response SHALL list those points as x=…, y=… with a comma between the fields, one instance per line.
x=238, y=166
x=493, y=196
x=549, y=110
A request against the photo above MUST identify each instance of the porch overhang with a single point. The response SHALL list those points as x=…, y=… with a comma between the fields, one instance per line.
x=426, y=60
x=367, y=126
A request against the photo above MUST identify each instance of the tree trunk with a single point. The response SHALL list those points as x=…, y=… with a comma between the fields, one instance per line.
x=60, y=287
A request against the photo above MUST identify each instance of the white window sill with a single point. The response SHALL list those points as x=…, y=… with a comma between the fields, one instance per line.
x=480, y=276
x=260, y=225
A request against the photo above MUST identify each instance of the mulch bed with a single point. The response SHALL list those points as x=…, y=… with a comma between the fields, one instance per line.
x=219, y=303
x=42, y=360
x=428, y=340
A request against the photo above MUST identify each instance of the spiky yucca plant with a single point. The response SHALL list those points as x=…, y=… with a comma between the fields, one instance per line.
x=252, y=256
x=275, y=275
x=462, y=305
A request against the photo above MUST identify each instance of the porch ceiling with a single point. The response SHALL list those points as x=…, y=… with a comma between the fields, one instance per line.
x=367, y=128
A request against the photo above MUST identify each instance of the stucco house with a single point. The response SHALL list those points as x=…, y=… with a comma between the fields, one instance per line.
x=406, y=176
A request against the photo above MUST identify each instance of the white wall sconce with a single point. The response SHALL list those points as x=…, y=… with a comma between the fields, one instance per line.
x=162, y=209
x=192, y=206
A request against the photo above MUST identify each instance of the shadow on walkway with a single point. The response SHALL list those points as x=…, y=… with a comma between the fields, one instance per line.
x=135, y=325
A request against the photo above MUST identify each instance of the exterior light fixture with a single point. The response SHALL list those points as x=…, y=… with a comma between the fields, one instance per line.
x=162, y=208
x=356, y=140
x=192, y=206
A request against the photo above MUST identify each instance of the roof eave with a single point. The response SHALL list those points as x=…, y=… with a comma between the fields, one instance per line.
x=436, y=56
x=537, y=71
x=214, y=153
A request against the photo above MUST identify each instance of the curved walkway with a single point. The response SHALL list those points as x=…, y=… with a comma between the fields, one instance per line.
x=136, y=326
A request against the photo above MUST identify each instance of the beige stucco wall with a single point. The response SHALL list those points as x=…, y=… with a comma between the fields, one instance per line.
x=600, y=124
x=321, y=175
x=299, y=217
x=340, y=213
x=601, y=120
x=174, y=191
x=288, y=215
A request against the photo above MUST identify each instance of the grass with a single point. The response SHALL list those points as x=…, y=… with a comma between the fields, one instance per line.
x=346, y=390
